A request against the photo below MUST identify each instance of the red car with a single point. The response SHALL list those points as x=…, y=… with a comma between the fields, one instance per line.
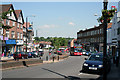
x=20, y=55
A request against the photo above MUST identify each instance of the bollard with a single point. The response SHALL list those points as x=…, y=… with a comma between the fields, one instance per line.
x=46, y=58
x=58, y=58
x=53, y=58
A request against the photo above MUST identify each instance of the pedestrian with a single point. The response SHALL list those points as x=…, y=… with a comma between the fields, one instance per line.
x=53, y=58
x=117, y=59
x=8, y=53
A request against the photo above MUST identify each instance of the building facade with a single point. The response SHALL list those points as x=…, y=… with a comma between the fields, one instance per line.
x=30, y=35
x=13, y=36
x=92, y=39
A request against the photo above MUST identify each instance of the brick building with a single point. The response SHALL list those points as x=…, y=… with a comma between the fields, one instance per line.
x=30, y=35
x=92, y=38
x=13, y=37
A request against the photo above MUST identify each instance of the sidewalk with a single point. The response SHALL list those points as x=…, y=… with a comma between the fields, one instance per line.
x=115, y=72
x=7, y=58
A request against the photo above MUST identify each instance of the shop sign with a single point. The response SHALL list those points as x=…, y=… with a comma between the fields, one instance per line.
x=19, y=42
x=10, y=41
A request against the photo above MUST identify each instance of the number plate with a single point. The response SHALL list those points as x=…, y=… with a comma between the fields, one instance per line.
x=92, y=68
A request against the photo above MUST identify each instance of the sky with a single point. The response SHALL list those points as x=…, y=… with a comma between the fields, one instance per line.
x=61, y=19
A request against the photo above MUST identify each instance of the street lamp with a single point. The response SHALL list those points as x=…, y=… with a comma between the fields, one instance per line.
x=27, y=30
x=105, y=2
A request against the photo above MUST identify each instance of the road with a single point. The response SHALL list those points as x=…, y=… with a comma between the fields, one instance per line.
x=68, y=68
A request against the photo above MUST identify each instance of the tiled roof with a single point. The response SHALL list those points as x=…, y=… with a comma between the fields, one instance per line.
x=44, y=42
x=5, y=7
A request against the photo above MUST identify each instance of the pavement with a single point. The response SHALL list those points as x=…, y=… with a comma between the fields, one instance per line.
x=69, y=68
x=114, y=73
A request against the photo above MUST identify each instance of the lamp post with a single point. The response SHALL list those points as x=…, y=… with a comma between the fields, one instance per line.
x=105, y=2
x=27, y=30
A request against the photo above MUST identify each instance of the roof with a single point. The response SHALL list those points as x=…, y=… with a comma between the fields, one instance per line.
x=44, y=42
x=18, y=12
x=100, y=25
x=5, y=7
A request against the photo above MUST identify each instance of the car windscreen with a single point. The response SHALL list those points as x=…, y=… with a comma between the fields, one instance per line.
x=96, y=57
x=22, y=52
x=77, y=50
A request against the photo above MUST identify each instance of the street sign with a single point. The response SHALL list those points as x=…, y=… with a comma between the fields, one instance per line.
x=19, y=42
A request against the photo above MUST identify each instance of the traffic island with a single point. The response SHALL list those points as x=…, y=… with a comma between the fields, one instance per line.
x=21, y=63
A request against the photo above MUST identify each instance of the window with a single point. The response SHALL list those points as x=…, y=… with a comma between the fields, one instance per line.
x=13, y=34
x=7, y=22
x=21, y=35
x=18, y=25
x=7, y=33
x=18, y=35
x=21, y=26
x=13, y=23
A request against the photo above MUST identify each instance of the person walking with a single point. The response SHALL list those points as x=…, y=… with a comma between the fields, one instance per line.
x=117, y=59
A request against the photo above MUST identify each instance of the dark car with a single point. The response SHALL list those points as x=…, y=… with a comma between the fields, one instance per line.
x=20, y=55
x=41, y=53
x=95, y=63
x=31, y=55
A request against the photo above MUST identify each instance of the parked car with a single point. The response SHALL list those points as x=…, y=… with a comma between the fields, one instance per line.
x=59, y=52
x=20, y=55
x=31, y=55
x=36, y=53
x=92, y=52
x=95, y=63
x=87, y=53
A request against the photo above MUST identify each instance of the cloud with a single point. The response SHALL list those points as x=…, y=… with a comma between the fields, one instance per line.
x=48, y=26
x=71, y=23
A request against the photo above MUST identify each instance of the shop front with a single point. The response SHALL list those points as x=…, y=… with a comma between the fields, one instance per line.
x=10, y=47
x=19, y=46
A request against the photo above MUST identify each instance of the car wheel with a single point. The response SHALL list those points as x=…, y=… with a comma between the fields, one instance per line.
x=27, y=57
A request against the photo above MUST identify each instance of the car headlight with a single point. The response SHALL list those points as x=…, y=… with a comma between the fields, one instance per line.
x=85, y=64
x=100, y=65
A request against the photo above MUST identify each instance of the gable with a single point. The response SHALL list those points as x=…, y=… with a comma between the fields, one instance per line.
x=20, y=18
x=12, y=15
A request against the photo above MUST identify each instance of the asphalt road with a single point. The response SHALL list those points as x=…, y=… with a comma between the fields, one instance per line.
x=68, y=68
